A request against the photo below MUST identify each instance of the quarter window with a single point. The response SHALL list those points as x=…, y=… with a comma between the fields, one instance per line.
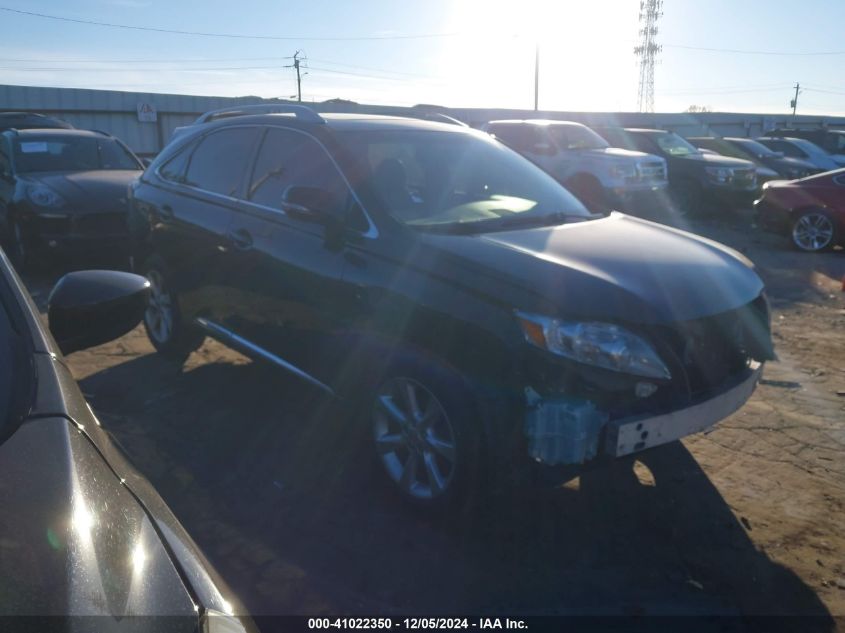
x=220, y=160
x=293, y=159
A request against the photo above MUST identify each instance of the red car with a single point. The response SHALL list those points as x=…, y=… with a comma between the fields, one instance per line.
x=811, y=211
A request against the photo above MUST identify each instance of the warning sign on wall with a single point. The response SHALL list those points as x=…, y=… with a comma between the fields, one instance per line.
x=147, y=112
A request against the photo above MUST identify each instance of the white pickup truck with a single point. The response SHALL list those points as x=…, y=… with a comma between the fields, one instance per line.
x=603, y=177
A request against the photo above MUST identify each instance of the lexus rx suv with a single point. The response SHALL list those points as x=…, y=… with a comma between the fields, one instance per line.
x=476, y=320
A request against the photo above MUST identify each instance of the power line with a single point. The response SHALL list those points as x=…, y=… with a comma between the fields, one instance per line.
x=827, y=92
x=726, y=91
x=142, y=61
x=123, y=70
x=228, y=35
x=753, y=52
x=378, y=70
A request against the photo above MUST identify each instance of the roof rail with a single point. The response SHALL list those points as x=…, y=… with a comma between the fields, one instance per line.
x=299, y=111
x=440, y=118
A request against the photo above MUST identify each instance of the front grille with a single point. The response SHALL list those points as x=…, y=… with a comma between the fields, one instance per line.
x=709, y=351
x=57, y=225
x=652, y=171
x=102, y=224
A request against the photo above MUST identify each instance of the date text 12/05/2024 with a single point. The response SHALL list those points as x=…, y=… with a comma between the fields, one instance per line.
x=416, y=623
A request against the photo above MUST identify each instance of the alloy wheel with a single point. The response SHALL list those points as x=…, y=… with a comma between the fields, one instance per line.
x=414, y=438
x=159, y=313
x=813, y=232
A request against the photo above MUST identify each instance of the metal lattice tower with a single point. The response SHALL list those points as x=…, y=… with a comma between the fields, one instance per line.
x=650, y=12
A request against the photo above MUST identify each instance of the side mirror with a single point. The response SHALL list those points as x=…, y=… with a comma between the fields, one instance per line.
x=309, y=203
x=91, y=307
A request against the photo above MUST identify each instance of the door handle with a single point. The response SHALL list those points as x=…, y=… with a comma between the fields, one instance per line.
x=166, y=213
x=240, y=239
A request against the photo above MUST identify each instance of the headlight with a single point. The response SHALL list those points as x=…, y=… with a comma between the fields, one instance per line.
x=721, y=175
x=623, y=170
x=42, y=196
x=599, y=344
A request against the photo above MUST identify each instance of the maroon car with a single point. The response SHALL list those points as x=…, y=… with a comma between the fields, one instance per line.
x=811, y=211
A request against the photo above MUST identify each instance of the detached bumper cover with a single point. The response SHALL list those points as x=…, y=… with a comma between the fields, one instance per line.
x=630, y=435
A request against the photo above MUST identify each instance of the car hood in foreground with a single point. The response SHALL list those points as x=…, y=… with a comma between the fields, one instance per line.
x=618, y=268
x=89, y=190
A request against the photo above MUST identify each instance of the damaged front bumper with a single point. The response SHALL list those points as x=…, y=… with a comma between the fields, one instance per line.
x=570, y=431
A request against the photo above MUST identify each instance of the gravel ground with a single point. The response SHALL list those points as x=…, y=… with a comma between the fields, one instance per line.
x=745, y=520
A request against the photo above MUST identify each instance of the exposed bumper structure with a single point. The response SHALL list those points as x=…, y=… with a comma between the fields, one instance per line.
x=568, y=431
x=630, y=435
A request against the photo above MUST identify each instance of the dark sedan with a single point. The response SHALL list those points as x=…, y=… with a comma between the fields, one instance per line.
x=811, y=211
x=771, y=165
x=83, y=533
x=63, y=191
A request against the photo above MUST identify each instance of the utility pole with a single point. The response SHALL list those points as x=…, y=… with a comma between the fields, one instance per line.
x=794, y=102
x=298, y=77
x=536, y=75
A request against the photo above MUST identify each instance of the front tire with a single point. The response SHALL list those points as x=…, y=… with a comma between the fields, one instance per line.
x=169, y=334
x=813, y=231
x=424, y=433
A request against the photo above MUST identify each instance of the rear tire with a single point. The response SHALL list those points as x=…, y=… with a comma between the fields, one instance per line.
x=813, y=231
x=169, y=334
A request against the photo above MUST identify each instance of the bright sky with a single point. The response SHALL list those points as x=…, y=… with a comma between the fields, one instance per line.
x=481, y=53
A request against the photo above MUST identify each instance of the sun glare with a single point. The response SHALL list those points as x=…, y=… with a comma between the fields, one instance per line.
x=586, y=52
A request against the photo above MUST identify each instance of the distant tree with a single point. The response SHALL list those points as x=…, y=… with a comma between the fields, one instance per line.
x=699, y=108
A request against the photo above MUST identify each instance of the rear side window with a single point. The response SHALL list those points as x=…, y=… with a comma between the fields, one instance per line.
x=288, y=159
x=220, y=160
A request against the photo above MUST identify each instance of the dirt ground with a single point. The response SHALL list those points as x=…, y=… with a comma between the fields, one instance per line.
x=745, y=520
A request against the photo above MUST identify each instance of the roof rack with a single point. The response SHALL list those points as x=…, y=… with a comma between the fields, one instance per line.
x=300, y=112
x=440, y=118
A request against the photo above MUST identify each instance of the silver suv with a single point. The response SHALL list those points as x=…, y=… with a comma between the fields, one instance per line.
x=601, y=176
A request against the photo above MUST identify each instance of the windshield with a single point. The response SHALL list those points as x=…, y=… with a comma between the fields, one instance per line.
x=755, y=148
x=576, y=137
x=674, y=145
x=70, y=153
x=442, y=179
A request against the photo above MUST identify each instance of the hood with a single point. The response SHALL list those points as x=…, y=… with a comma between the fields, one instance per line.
x=717, y=160
x=89, y=190
x=618, y=152
x=617, y=268
x=788, y=162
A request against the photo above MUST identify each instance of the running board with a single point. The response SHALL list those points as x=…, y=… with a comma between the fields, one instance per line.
x=250, y=348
